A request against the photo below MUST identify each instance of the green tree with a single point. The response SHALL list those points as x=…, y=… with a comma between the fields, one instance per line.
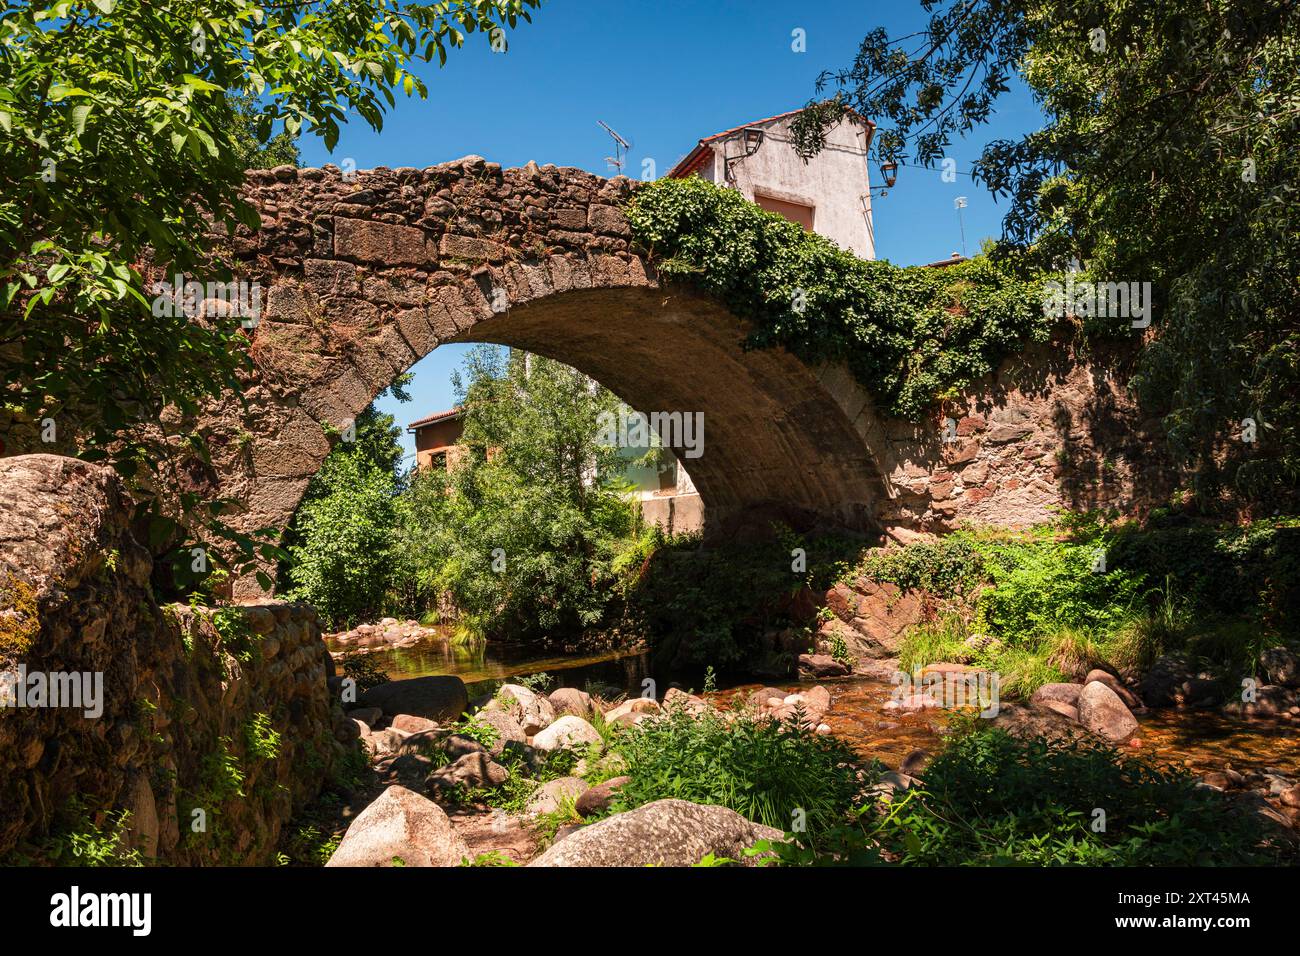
x=342, y=544
x=281, y=149
x=124, y=139
x=343, y=553
x=1168, y=155
x=524, y=531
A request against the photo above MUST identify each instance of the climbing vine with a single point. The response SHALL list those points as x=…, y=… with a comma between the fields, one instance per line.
x=911, y=336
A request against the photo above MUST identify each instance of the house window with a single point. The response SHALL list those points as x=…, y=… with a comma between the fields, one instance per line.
x=795, y=212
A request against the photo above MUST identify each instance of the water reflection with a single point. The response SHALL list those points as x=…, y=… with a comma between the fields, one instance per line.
x=479, y=662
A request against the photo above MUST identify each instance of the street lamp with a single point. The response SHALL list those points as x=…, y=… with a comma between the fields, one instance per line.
x=888, y=172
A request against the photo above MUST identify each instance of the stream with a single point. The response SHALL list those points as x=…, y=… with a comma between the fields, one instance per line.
x=1200, y=740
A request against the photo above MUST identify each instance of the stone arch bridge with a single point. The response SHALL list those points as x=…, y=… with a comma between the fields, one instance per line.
x=364, y=276
x=361, y=278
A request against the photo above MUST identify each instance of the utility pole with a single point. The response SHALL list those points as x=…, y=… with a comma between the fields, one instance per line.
x=959, y=204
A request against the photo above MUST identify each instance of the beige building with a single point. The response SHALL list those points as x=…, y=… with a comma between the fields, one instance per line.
x=668, y=497
x=435, y=439
x=830, y=194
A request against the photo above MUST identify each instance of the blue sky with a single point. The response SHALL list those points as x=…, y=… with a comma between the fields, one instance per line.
x=663, y=73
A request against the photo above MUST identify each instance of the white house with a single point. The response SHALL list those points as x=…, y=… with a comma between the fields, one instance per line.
x=830, y=194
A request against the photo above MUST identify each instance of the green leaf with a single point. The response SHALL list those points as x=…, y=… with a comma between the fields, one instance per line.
x=207, y=141
x=200, y=84
x=60, y=92
x=79, y=114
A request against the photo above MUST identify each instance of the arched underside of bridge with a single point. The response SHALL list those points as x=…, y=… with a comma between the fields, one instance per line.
x=364, y=278
x=773, y=437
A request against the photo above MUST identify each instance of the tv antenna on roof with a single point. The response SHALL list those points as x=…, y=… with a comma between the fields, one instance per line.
x=620, y=145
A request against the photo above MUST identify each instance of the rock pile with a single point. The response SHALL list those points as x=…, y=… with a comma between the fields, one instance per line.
x=425, y=756
x=387, y=634
x=1101, y=705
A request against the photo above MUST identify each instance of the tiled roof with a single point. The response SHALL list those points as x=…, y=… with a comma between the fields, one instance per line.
x=691, y=160
x=438, y=417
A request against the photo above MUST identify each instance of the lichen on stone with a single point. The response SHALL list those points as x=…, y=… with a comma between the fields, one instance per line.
x=19, y=623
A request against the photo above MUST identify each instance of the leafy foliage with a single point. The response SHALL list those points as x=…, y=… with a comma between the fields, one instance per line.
x=524, y=531
x=713, y=605
x=343, y=544
x=765, y=770
x=1038, y=606
x=1167, y=156
x=280, y=150
x=125, y=139
x=1045, y=584
x=93, y=845
x=344, y=562
x=911, y=336
x=991, y=799
x=261, y=738
x=1247, y=569
x=1048, y=578
x=942, y=565
x=309, y=846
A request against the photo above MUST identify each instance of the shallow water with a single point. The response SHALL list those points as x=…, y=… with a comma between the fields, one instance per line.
x=1199, y=740
x=1204, y=740
x=482, y=662
x=857, y=716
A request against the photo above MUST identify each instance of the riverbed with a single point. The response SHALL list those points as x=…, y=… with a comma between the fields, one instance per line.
x=1200, y=740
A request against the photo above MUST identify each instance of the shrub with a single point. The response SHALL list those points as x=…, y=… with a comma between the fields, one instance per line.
x=523, y=532
x=838, y=648
x=1042, y=584
x=765, y=770
x=309, y=846
x=1221, y=595
x=478, y=730
x=91, y=845
x=990, y=799
x=538, y=683
x=1254, y=568
x=711, y=605
x=343, y=558
x=910, y=335
x=950, y=563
